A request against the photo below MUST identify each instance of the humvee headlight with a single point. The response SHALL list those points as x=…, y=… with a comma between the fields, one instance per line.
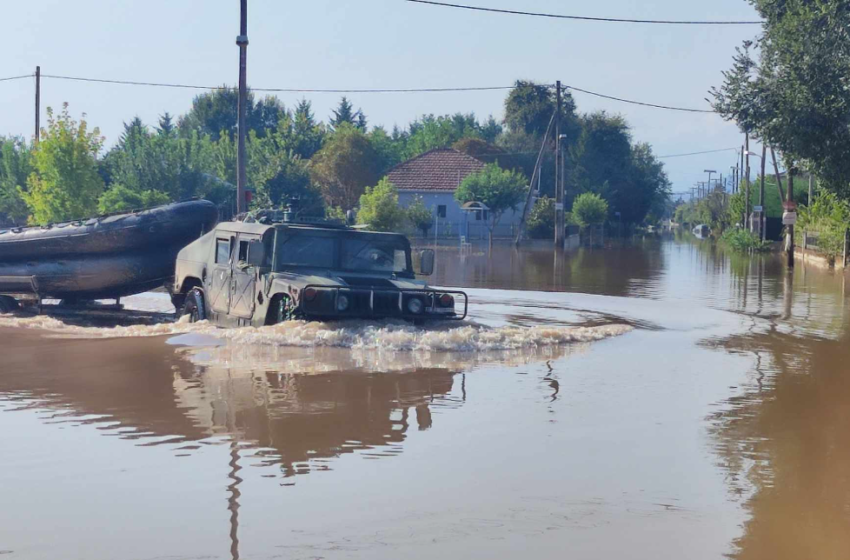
x=310, y=294
x=342, y=302
x=414, y=305
x=446, y=300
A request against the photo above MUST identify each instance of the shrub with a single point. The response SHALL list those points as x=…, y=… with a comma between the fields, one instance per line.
x=743, y=240
x=379, y=208
x=589, y=209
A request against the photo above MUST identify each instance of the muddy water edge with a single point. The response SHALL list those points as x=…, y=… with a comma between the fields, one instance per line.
x=711, y=418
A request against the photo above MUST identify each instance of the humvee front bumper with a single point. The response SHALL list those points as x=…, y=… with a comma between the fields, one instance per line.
x=345, y=302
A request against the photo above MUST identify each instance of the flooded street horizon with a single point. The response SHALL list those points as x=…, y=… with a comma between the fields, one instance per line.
x=659, y=399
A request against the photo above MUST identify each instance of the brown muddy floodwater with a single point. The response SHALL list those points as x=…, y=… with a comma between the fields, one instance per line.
x=658, y=401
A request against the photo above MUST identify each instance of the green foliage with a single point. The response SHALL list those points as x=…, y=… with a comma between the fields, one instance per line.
x=541, y=219
x=15, y=167
x=64, y=184
x=499, y=189
x=345, y=165
x=119, y=198
x=420, y=216
x=335, y=213
x=530, y=106
x=216, y=112
x=379, y=208
x=828, y=217
x=431, y=132
x=743, y=240
x=345, y=114
x=794, y=96
x=589, y=209
x=389, y=151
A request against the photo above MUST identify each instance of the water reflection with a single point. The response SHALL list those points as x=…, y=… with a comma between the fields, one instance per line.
x=620, y=270
x=785, y=444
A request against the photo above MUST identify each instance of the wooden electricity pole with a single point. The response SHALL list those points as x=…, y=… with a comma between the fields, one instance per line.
x=763, y=214
x=790, y=207
x=559, y=193
x=37, y=103
x=242, y=42
x=747, y=223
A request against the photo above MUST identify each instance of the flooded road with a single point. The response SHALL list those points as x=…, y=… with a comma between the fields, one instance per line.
x=663, y=400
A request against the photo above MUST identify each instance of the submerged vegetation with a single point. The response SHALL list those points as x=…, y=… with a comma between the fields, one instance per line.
x=743, y=241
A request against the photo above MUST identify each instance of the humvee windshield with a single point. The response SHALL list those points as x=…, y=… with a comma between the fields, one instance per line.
x=353, y=253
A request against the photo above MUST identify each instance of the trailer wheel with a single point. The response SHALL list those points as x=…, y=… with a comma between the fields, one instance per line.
x=194, y=306
x=8, y=304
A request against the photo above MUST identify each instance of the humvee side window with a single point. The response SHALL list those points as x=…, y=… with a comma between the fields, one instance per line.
x=222, y=250
x=243, y=251
x=307, y=250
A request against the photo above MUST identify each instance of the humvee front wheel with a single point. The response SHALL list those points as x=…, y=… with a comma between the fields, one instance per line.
x=280, y=310
x=194, y=306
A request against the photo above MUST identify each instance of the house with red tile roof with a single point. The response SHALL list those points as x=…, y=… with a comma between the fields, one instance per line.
x=434, y=177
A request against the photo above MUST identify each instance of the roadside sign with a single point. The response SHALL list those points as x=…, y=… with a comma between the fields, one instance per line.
x=790, y=206
x=758, y=208
x=789, y=218
x=559, y=206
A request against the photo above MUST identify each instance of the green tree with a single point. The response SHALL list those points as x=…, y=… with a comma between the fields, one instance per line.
x=530, y=106
x=119, y=198
x=431, y=132
x=499, y=189
x=64, y=184
x=794, y=97
x=166, y=125
x=541, y=219
x=379, y=208
x=15, y=167
x=589, y=209
x=388, y=150
x=216, y=112
x=345, y=165
x=419, y=216
x=345, y=114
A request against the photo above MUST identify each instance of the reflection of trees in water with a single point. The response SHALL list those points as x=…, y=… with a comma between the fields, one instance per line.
x=617, y=270
x=789, y=440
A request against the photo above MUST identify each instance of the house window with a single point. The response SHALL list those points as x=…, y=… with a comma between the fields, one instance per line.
x=441, y=211
x=222, y=250
x=485, y=216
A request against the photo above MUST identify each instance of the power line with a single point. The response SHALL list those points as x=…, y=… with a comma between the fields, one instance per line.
x=280, y=90
x=16, y=77
x=697, y=153
x=653, y=105
x=355, y=90
x=581, y=18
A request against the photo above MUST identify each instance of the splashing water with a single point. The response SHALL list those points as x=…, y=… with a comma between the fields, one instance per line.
x=386, y=335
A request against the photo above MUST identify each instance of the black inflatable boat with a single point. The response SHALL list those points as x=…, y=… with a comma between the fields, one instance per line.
x=105, y=257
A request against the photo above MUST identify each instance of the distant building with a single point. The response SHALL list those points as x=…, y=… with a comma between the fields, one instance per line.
x=435, y=176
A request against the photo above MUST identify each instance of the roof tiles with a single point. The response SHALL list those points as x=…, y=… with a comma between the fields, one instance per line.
x=442, y=169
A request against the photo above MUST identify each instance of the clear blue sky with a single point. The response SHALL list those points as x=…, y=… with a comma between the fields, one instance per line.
x=380, y=44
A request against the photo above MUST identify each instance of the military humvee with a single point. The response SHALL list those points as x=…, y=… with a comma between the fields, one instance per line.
x=252, y=273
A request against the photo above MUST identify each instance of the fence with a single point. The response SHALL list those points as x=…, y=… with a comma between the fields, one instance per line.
x=827, y=244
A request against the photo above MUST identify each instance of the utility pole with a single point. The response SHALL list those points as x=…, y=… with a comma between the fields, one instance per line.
x=37, y=103
x=747, y=222
x=242, y=42
x=790, y=206
x=762, y=214
x=559, y=193
x=811, y=186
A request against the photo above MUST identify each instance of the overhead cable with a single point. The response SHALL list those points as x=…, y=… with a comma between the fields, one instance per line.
x=355, y=90
x=581, y=18
x=697, y=153
x=280, y=90
x=653, y=105
x=16, y=77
